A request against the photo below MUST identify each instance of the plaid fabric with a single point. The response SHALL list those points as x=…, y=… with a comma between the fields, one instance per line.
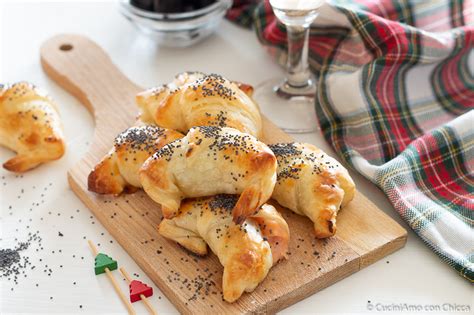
x=241, y=12
x=404, y=119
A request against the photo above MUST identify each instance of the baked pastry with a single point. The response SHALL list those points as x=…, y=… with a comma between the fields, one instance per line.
x=211, y=160
x=246, y=251
x=29, y=125
x=196, y=99
x=311, y=183
x=118, y=170
x=191, y=76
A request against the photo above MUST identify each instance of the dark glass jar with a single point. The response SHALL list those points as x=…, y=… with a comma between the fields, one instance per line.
x=171, y=6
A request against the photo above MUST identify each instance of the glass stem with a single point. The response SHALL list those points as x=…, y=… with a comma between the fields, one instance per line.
x=298, y=69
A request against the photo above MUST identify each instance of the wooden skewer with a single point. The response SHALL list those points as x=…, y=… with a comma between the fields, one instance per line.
x=124, y=299
x=142, y=297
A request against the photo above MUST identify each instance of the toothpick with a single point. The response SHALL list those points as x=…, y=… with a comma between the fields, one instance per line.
x=124, y=299
x=142, y=297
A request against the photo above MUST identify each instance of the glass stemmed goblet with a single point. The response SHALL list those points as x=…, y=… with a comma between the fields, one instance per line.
x=289, y=102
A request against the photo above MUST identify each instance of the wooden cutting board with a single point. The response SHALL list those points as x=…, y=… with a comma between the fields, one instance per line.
x=365, y=234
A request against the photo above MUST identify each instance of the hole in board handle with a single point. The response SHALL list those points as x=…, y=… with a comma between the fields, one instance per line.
x=66, y=47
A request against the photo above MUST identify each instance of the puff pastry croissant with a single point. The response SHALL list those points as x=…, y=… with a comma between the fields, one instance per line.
x=246, y=251
x=118, y=170
x=30, y=126
x=196, y=99
x=311, y=183
x=208, y=161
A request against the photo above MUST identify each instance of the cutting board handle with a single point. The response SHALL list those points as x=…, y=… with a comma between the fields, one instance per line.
x=82, y=68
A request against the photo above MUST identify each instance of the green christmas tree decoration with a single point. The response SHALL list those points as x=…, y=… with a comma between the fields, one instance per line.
x=103, y=261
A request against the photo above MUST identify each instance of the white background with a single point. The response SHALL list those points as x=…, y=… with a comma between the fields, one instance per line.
x=413, y=275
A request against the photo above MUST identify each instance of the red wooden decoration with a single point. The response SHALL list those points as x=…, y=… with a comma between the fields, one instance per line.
x=138, y=288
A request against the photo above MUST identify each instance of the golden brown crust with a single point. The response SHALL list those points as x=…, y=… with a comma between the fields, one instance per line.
x=252, y=197
x=274, y=230
x=246, y=251
x=326, y=187
x=118, y=170
x=106, y=178
x=183, y=229
x=208, y=161
x=246, y=88
x=197, y=99
x=30, y=126
x=311, y=183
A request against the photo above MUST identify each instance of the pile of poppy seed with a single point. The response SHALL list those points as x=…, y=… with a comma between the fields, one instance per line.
x=240, y=143
x=291, y=160
x=220, y=143
x=223, y=204
x=214, y=85
x=141, y=138
x=14, y=263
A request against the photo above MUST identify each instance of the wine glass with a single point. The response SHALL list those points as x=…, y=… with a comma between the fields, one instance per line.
x=289, y=102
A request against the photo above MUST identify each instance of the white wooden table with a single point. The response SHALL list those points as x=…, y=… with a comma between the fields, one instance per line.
x=42, y=201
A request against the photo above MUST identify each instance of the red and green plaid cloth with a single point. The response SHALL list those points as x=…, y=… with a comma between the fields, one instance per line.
x=395, y=100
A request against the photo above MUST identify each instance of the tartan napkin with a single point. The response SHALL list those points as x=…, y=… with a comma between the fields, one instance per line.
x=395, y=99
